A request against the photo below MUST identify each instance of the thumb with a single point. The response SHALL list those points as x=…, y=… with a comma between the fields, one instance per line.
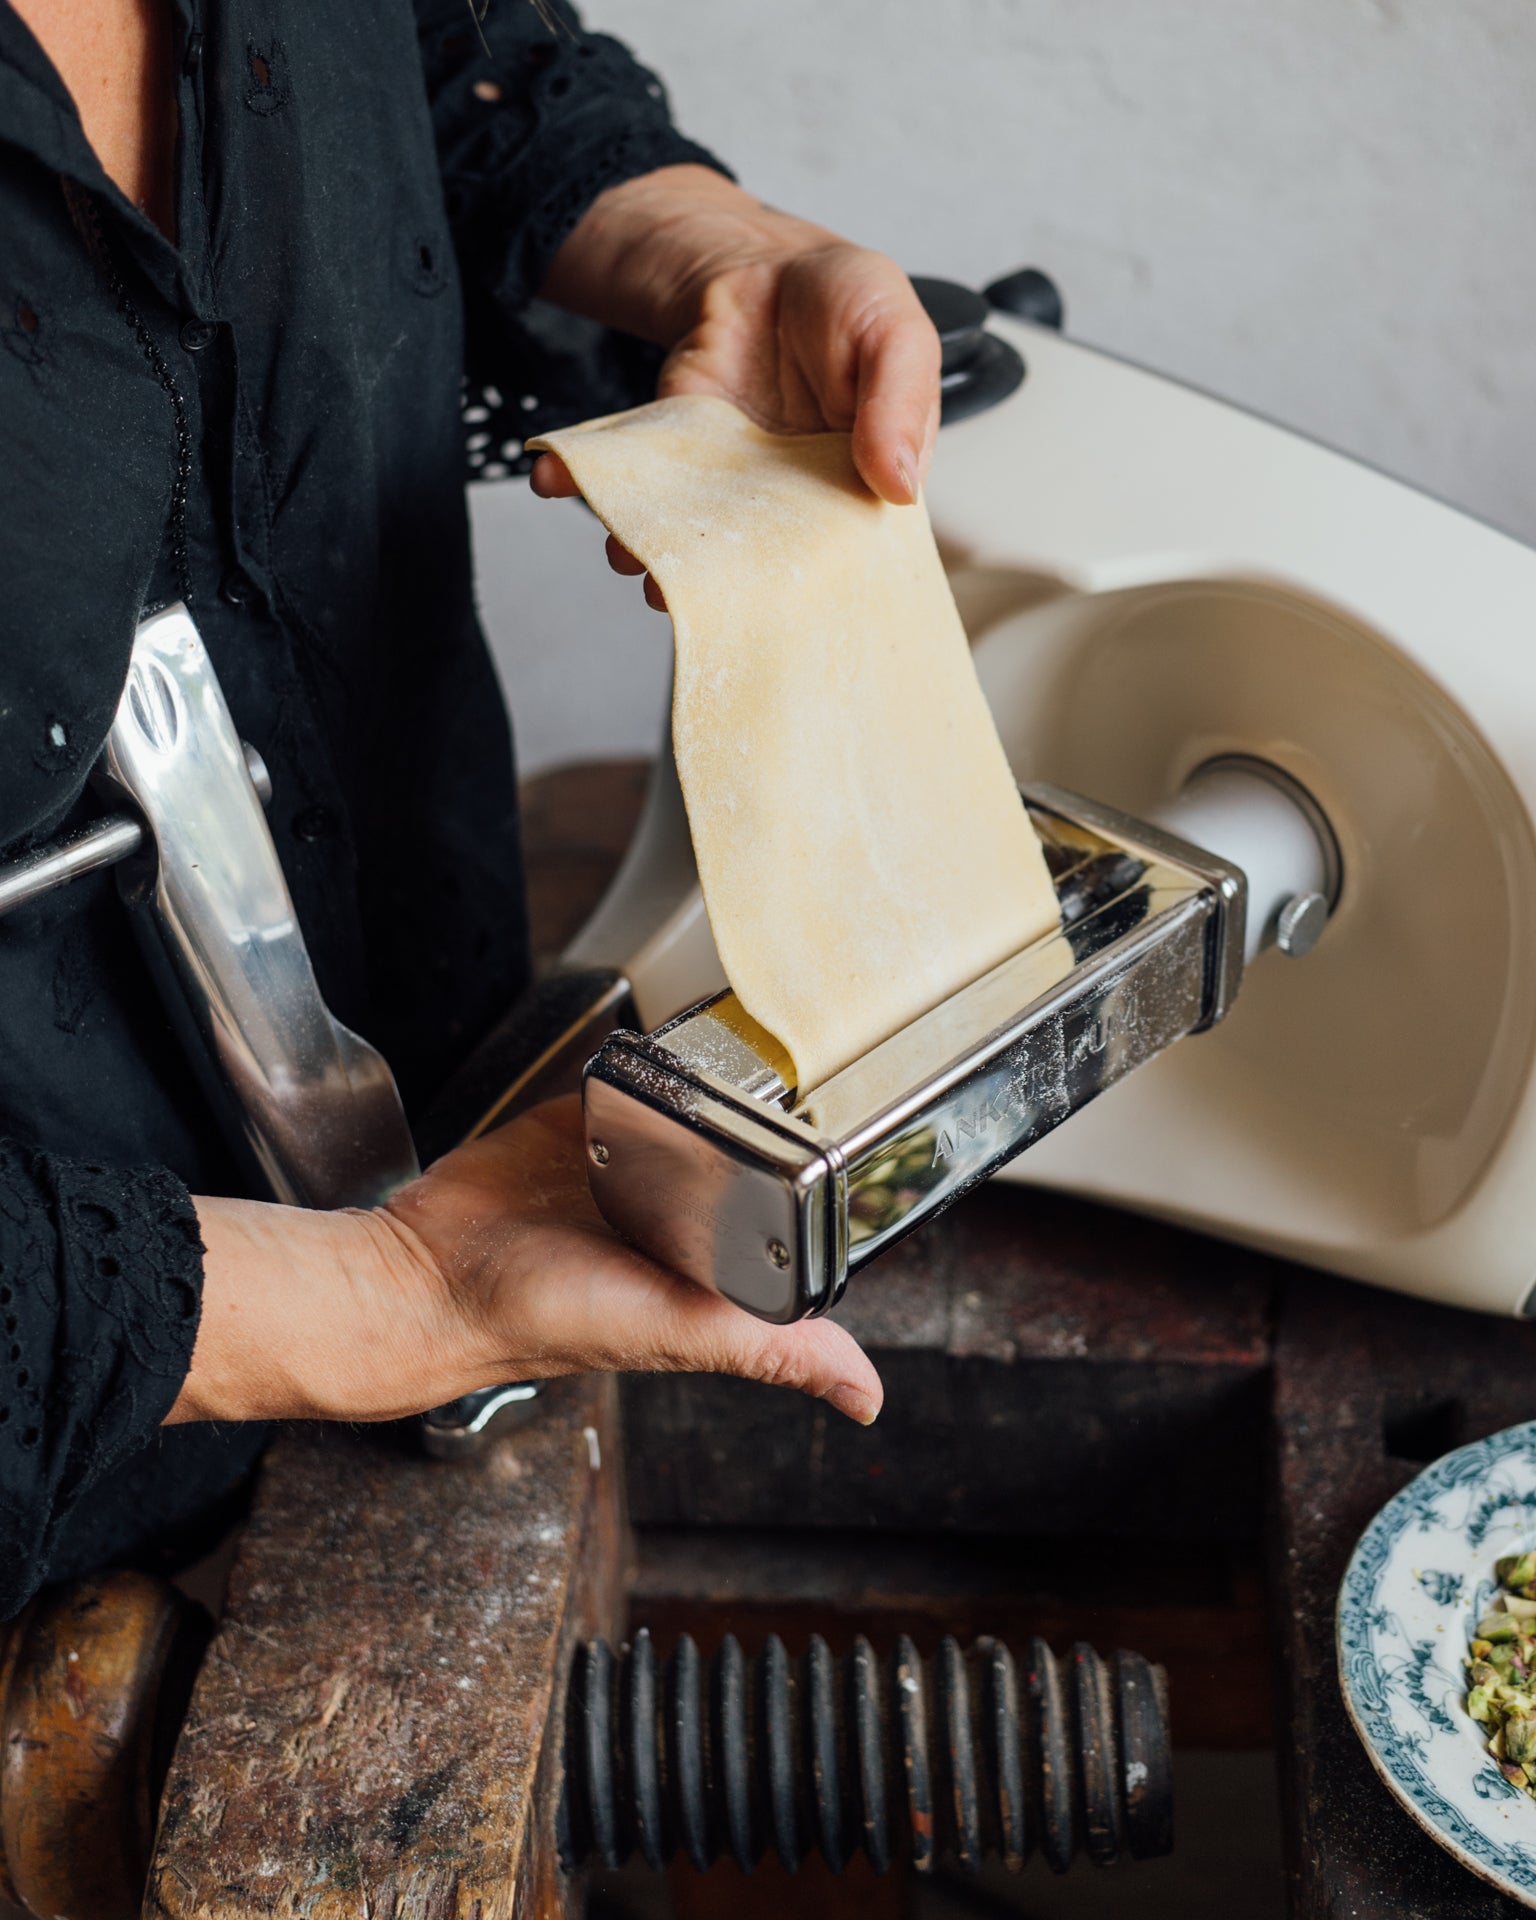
x=705, y=1333
x=897, y=414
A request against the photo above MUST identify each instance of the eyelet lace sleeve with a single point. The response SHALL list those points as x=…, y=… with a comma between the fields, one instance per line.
x=528, y=135
x=100, y=1293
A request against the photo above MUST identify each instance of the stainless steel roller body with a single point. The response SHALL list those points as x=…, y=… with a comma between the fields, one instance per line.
x=703, y=1156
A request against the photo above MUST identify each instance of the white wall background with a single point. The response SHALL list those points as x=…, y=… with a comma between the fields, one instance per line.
x=1322, y=209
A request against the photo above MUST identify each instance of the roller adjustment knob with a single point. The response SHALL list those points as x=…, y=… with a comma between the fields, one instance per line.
x=1029, y=295
x=978, y=369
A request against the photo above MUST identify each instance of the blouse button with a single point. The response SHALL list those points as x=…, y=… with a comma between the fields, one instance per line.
x=197, y=334
x=315, y=823
x=237, y=589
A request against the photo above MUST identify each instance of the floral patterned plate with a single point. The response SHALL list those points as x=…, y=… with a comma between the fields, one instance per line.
x=1417, y=1584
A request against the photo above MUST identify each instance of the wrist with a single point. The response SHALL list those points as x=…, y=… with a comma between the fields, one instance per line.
x=645, y=251
x=310, y=1315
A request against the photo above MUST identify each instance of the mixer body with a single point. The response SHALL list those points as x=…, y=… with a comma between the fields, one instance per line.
x=1152, y=580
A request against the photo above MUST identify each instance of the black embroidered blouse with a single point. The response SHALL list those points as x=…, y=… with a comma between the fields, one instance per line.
x=264, y=420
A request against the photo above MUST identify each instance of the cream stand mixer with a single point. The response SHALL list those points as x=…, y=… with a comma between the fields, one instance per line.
x=1155, y=582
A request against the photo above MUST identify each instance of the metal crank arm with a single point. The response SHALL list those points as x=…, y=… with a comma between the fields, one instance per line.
x=309, y=1105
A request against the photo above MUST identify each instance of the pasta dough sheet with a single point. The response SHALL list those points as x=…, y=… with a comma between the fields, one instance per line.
x=861, y=844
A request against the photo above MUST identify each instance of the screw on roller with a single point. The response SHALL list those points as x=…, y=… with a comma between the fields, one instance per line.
x=599, y=1153
x=1301, y=922
x=778, y=1254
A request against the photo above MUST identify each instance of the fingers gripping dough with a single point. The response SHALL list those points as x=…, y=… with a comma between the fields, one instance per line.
x=860, y=841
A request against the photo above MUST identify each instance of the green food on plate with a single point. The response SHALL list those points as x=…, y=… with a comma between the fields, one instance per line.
x=1501, y=1669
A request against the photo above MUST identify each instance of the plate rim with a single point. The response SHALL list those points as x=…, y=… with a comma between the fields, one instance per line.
x=1461, y=1464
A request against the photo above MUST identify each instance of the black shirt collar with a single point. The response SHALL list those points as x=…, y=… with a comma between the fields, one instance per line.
x=38, y=115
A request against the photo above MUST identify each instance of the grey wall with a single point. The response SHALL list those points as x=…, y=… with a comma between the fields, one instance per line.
x=1323, y=209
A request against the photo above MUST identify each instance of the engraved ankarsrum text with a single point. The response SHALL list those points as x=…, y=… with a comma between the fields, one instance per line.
x=1115, y=1021
x=971, y=1126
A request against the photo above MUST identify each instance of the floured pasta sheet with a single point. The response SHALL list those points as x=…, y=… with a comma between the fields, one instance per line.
x=861, y=844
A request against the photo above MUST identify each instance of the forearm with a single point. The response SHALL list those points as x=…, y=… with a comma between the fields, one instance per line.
x=312, y=1315
x=645, y=250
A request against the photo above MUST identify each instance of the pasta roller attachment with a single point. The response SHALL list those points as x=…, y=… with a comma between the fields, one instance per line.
x=705, y=1155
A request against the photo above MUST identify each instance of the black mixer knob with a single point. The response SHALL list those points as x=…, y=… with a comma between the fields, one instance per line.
x=978, y=368
x=959, y=313
x=1030, y=295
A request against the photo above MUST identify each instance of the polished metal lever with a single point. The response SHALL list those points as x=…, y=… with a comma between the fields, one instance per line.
x=308, y=1102
x=309, y=1106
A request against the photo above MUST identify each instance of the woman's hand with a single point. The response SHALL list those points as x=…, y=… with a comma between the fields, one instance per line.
x=802, y=330
x=494, y=1265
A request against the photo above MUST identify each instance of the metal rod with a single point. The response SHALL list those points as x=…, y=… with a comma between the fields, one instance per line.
x=100, y=844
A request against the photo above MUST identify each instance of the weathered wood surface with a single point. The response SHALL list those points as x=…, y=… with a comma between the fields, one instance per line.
x=91, y=1676
x=1050, y=1368
x=368, y=1736
x=1368, y=1389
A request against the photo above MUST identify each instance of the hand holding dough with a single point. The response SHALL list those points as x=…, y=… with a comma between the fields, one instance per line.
x=861, y=844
